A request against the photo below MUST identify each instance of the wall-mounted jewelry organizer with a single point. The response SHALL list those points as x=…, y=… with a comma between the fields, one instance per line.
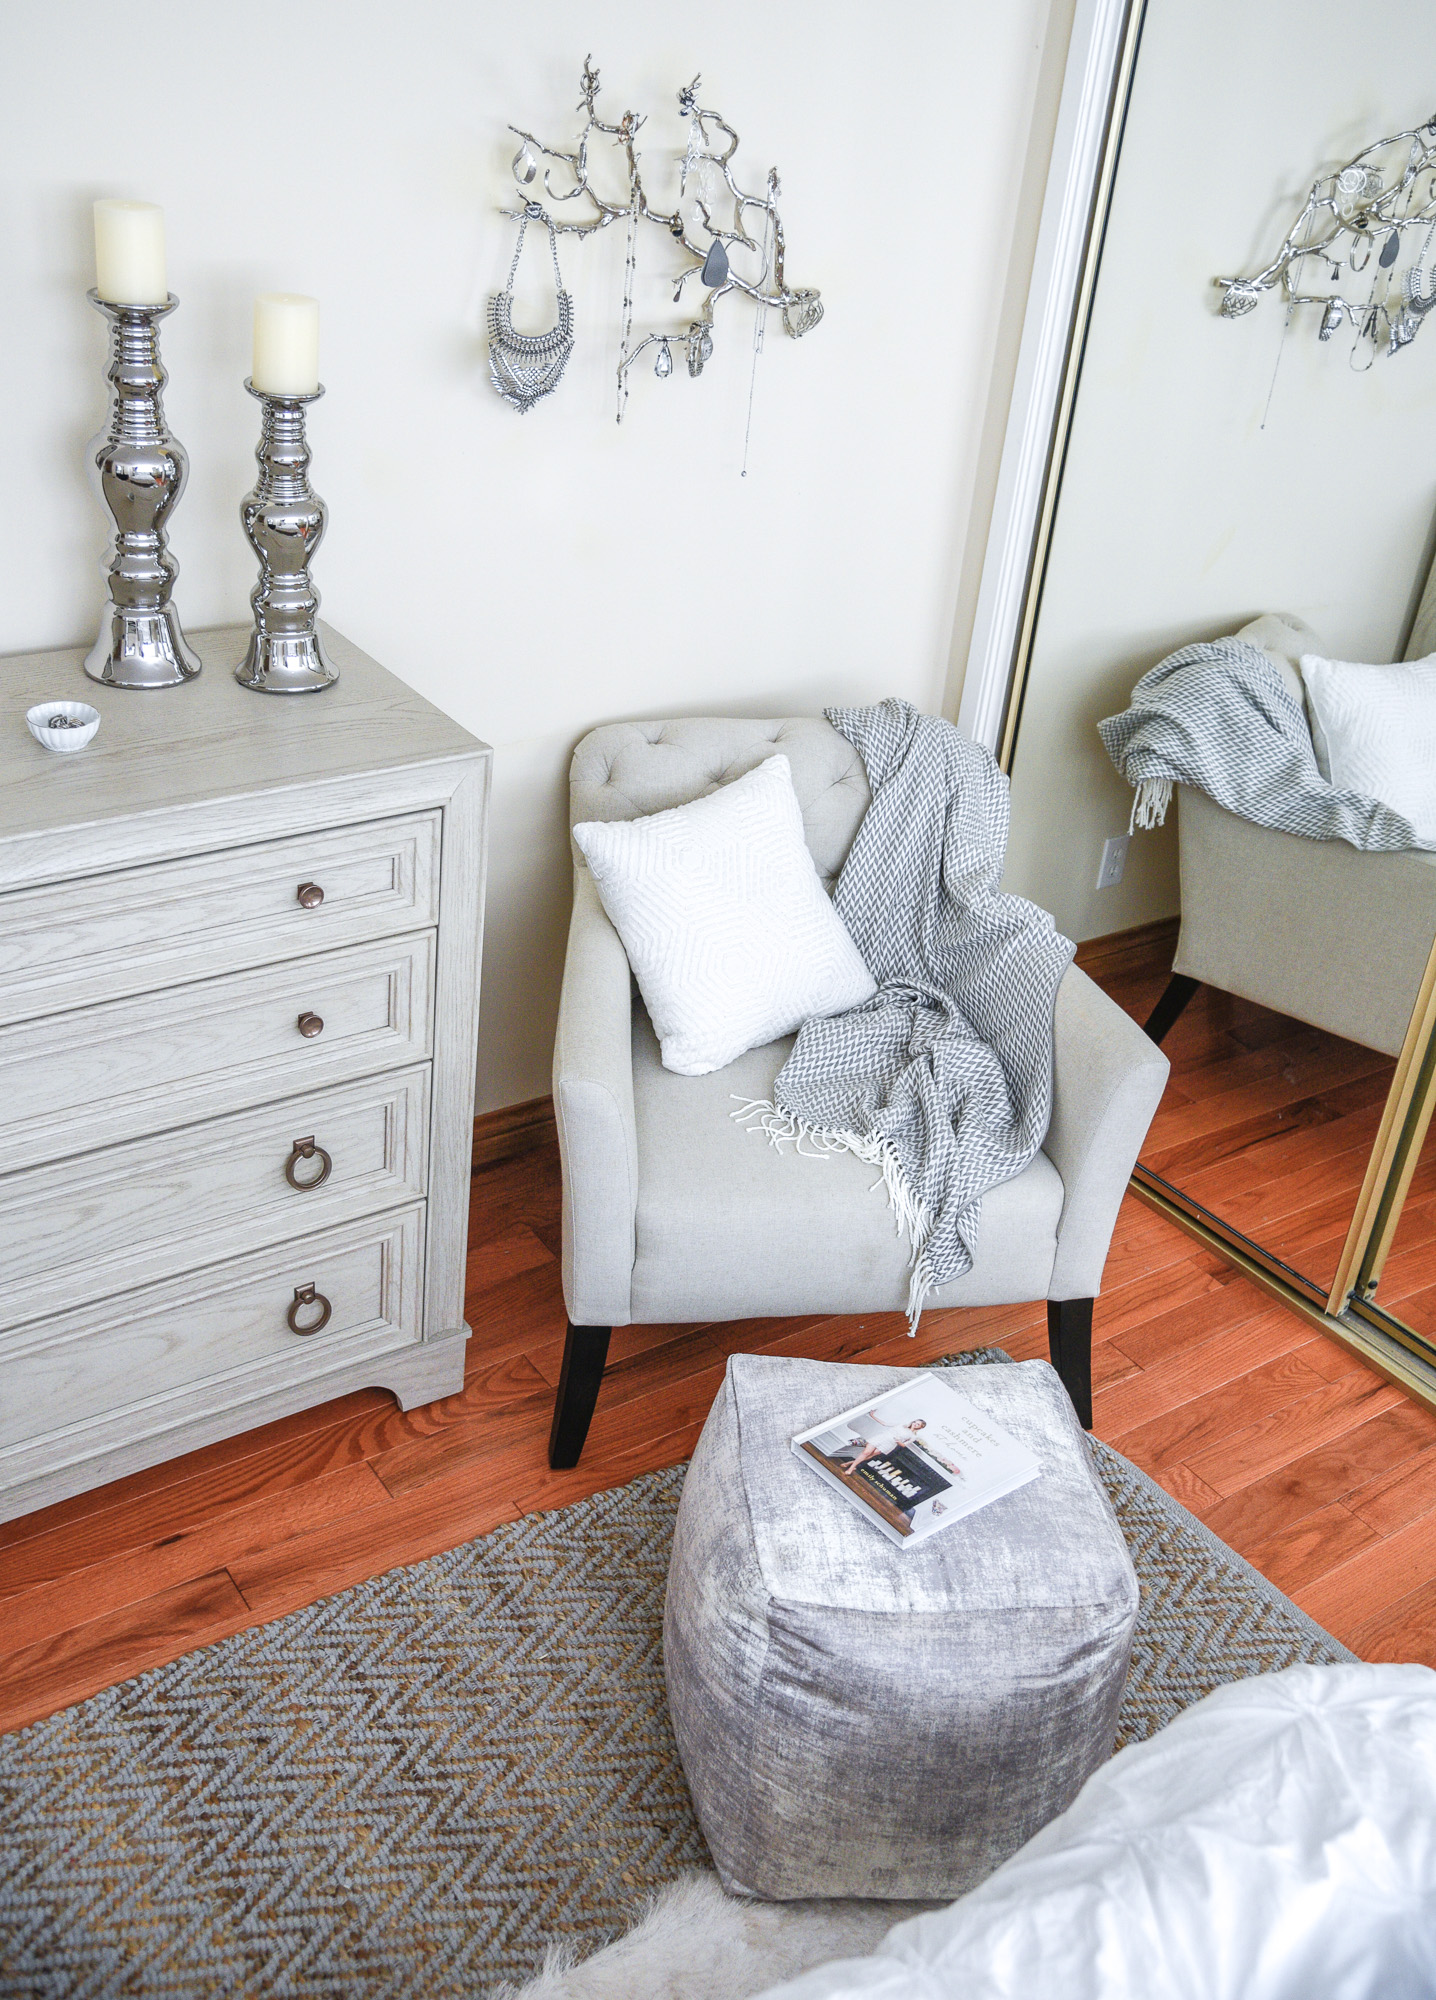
x=1378, y=212
x=727, y=241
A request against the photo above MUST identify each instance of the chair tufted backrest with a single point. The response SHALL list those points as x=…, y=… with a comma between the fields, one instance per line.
x=626, y=769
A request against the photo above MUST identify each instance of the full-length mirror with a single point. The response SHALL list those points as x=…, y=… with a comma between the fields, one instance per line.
x=1264, y=474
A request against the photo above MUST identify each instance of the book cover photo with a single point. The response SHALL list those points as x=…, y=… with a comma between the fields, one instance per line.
x=917, y=1459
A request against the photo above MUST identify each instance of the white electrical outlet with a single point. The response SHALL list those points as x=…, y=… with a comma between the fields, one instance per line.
x=1114, y=860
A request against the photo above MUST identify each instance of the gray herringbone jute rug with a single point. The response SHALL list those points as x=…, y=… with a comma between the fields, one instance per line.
x=410, y=1788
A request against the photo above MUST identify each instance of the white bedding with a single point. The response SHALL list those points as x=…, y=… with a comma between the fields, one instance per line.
x=1276, y=1842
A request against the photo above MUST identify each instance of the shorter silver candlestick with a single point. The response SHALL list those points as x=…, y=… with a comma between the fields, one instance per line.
x=284, y=519
x=141, y=470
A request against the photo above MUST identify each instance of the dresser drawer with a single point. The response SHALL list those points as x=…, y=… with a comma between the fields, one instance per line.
x=149, y=1359
x=132, y=1214
x=101, y=1074
x=70, y=943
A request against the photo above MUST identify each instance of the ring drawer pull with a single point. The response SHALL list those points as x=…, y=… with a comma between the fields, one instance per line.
x=310, y=895
x=305, y=1295
x=306, y=1149
x=310, y=1025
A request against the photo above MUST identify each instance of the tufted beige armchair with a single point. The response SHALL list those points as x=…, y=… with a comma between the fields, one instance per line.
x=671, y=1212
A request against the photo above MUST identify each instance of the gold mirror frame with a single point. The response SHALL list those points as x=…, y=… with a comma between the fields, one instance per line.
x=1348, y=1312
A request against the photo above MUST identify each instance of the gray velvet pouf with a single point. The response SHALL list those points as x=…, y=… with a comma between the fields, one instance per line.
x=857, y=1719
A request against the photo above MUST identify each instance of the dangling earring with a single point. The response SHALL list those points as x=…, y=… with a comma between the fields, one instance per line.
x=528, y=366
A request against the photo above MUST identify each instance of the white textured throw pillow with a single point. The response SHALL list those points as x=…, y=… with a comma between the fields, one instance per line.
x=1374, y=731
x=726, y=925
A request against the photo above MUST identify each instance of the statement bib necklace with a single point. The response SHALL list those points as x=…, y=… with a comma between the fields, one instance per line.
x=528, y=366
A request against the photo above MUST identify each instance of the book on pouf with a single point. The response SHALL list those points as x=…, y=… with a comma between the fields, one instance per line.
x=917, y=1459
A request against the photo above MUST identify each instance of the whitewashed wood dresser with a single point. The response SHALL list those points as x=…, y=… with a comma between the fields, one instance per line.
x=239, y=965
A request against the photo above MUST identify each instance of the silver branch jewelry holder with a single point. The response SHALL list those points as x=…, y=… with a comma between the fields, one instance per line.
x=285, y=520
x=729, y=240
x=1372, y=213
x=141, y=470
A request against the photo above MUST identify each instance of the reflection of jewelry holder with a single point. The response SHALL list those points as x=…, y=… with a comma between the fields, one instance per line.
x=141, y=470
x=285, y=520
x=1371, y=206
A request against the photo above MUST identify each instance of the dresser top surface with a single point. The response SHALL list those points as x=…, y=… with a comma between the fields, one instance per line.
x=208, y=739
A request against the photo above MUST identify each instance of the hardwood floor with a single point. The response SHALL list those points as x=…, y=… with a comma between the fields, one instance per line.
x=1294, y=1452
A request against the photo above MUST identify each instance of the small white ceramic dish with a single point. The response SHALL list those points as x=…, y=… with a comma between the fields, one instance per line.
x=79, y=724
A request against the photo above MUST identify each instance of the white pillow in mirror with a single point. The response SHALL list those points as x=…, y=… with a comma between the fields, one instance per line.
x=730, y=933
x=1374, y=731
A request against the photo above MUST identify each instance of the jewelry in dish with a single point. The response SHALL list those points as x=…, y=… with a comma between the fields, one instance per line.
x=62, y=725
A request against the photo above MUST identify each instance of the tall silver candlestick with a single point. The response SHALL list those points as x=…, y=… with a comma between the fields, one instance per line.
x=141, y=470
x=284, y=519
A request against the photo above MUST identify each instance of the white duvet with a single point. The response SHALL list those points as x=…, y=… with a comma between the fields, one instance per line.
x=1276, y=1842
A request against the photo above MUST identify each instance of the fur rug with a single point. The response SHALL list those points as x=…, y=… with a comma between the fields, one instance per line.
x=695, y=1943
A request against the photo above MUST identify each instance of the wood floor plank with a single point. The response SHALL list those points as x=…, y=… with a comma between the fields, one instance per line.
x=1184, y=1486
x=506, y=1319
x=1284, y=1172
x=1303, y=1551
x=1394, y=1499
x=1194, y=1279
x=1389, y=1569
x=1209, y=1419
x=81, y=1595
x=1358, y=1459
x=1401, y=1631
x=1216, y=1309
x=1242, y=1104
x=37, y=1680
x=538, y=1489
x=513, y=1251
x=494, y=1402
x=1291, y=1430
x=1251, y=1125
x=1268, y=1340
x=263, y=1478
x=221, y=1466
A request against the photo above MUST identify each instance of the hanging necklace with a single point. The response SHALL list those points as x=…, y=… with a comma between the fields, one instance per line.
x=630, y=280
x=528, y=366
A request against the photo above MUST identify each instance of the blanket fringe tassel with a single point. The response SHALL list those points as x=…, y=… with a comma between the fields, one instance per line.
x=1149, y=803
x=818, y=1142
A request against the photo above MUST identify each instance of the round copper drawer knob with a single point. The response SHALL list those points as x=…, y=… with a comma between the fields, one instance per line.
x=310, y=895
x=311, y=1025
x=304, y=1297
x=306, y=1149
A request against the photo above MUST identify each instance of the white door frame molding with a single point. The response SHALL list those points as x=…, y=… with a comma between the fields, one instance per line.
x=1084, y=146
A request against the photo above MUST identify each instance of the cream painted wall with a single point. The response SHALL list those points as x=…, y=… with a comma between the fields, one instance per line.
x=536, y=575
x=1180, y=515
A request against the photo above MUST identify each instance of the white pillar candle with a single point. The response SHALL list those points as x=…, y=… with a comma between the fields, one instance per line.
x=286, y=344
x=130, y=253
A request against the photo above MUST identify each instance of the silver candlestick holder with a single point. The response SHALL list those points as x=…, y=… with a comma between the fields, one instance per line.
x=141, y=470
x=284, y=519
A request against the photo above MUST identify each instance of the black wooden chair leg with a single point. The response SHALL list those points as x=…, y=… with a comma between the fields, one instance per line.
x=1179, y=991
x=1069, y=1341
x=584, y=1353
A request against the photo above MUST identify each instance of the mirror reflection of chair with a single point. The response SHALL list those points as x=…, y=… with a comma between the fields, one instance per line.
x=1315, y=929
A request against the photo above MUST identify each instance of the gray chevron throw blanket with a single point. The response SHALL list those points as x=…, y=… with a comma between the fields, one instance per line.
x=1218, y=715
x=943, y=1080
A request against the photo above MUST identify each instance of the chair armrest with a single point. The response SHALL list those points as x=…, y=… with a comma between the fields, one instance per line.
x=593, y=1106
x=1107, y=1081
